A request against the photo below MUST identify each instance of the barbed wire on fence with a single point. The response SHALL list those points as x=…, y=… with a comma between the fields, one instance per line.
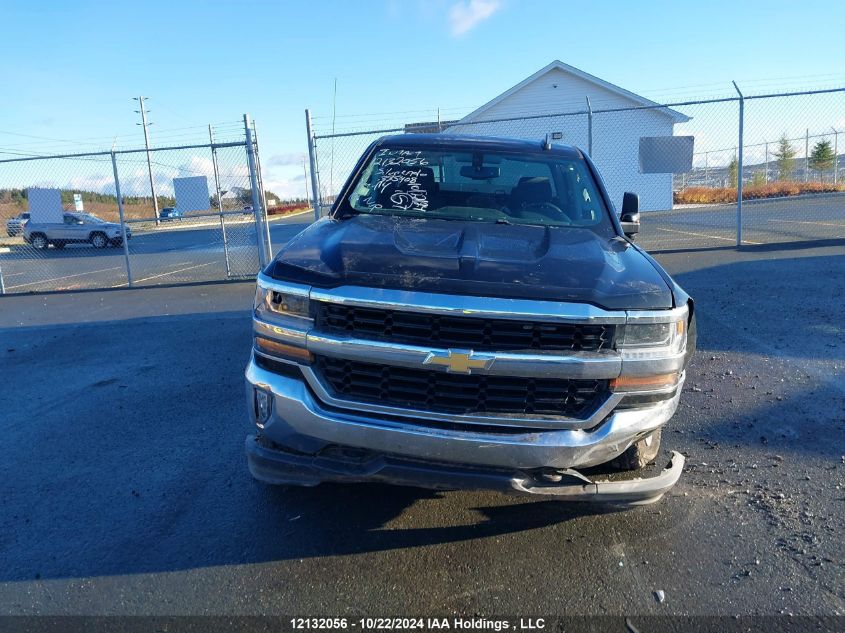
x=802, y=121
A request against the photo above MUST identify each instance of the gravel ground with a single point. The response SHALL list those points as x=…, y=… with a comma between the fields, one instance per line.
x=124, y=488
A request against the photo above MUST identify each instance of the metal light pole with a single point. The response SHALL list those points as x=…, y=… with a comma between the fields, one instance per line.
x=835, y=153
x=145, y=125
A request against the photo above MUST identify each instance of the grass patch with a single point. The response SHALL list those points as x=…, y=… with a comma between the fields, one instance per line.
x=725, y=195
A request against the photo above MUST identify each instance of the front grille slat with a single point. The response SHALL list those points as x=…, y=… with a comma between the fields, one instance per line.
x=477, y=333
x=460, y=393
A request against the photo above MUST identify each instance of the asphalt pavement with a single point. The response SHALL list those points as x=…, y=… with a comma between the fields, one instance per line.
x=124, y=487
x=764, y=221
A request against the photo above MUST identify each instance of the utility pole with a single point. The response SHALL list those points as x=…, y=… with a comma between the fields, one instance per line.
x=145, y=125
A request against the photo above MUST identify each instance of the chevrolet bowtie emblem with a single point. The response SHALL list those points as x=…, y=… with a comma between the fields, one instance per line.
x=459, y=361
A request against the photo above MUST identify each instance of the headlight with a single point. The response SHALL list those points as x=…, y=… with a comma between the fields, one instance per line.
x=291, y=301
x=641, y=340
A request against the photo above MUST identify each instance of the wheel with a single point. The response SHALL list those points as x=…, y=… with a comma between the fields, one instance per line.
x=99, y=240
x=639, y=454
x=58, y=244
x=39, y=241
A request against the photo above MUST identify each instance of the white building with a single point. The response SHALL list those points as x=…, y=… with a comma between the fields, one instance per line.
x=560, y=88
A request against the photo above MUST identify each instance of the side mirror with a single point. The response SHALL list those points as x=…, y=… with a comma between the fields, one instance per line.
x=630, y=218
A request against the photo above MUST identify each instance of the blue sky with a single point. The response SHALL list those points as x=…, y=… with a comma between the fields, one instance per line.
x=71, y=68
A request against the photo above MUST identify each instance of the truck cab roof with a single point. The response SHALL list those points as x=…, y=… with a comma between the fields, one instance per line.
x=469, y=143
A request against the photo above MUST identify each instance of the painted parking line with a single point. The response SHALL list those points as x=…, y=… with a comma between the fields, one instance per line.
x=47, y=281
x=712, y=237
x=840, y=225
x=172, y=272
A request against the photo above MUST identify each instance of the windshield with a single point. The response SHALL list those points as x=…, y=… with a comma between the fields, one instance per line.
x=480, y=186
x=90, y=219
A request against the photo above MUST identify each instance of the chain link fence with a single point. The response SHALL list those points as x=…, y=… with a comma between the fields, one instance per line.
x=79, y=221
x=763, y=168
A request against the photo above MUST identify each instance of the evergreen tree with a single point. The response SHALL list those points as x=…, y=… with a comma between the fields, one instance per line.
x=733, y=172
x=785, y=154
x=821, y=158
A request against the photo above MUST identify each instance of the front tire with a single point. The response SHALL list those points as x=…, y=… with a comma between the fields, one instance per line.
x=99, y=240
x=39, y=241
x=639, y=454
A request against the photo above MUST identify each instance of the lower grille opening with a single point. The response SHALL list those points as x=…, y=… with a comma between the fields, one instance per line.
x=460, y=393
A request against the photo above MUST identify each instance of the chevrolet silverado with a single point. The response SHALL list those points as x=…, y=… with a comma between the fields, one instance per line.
x=472, y=313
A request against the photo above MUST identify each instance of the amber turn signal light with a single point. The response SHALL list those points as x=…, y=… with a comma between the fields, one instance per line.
x=643, y=383
x=283, y=350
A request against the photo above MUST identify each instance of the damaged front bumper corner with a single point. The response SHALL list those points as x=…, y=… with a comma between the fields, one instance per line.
x=631, y=492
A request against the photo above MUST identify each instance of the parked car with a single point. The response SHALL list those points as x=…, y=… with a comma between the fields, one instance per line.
x=75, y=228
x=14, y=226
x=247, y=209
x=170, y=213
x=471, y=314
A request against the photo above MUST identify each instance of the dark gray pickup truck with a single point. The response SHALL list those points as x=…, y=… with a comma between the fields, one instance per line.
x=471, y=314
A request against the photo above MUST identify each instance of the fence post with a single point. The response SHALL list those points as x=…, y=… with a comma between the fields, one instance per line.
x=739, y=167
x=589, y=127
x=312, y=158
x=767, y=162
x=835, y=153
x=219, y=200
x=807, y=155
x=256, y=200
x=122, y=219
x=263, y=192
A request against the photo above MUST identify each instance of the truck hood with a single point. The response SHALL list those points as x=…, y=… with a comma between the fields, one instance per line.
x=473, y=258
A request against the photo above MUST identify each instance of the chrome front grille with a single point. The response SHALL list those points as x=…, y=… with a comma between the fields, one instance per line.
x=447, y=331
x=444, y=392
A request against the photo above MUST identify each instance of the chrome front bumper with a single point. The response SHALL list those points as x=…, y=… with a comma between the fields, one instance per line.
x=301, y=423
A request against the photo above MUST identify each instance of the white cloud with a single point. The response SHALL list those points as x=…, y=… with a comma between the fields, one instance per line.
x=467, y=14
